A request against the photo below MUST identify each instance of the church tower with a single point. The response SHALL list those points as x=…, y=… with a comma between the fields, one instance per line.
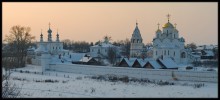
x=136, y=43
x=49, y=34
x=57, y=37
x=41, y=36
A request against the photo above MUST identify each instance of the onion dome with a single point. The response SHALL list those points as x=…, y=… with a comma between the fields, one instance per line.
x=158, y=30
x=168, y=25
x=49, y=31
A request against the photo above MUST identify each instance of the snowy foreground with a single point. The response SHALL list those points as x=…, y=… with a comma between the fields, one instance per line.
x=70, y=85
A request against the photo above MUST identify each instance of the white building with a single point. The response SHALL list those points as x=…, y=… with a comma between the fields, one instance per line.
x=50, y=47
x=101, y=49
x=136, y=43
x=53, y=47
x=168, y=44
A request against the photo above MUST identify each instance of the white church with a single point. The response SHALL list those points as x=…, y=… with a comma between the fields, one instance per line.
x=52, y=47
x=168, y=44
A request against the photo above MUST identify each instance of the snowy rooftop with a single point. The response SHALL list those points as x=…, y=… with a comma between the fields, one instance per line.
x=169, y=63
x=155, y=64
x=209, y=53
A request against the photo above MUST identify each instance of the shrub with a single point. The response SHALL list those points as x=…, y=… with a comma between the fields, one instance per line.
x=79, y=78
x=124, y=79
x=113, y=78
x=92, y=90
x=26, y=71
x=100, y=77
x=189, y=67
x=198, y=85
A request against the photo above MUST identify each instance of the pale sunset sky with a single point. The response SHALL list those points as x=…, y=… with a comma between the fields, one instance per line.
x=196, y=21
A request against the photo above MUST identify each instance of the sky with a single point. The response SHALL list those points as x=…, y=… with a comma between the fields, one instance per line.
x=90, y=21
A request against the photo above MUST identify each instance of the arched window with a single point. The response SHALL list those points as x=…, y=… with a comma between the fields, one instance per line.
x=164, y=52
x=137, y=41
x=53, y=47
x=183, y=55
x=174, y=36
x=56, y=47
x=133, y=40
x=98, y=50
x=174, y=53
x=168, y=52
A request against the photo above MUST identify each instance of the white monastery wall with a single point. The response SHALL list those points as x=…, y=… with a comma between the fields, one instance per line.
x=154, y=74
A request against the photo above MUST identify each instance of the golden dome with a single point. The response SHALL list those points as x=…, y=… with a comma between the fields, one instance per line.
x=168, y=25
x=158, y=30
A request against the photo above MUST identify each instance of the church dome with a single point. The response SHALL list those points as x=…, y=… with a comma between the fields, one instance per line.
x=168, y=25
x=175, y=30
x=49, y=31
x=158, y=30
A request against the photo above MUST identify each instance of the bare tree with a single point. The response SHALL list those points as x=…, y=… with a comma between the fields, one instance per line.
x=9, y=90
x=192, y=46
x=112, y=55
x=66, y=44
x=18, y=41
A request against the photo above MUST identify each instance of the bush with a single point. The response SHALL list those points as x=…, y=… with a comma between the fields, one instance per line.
x=51, y=81
x=189, y=67
x=198, y=85
x=124, y=79
x=210, y=69
x=79, y=78
x=113, y=78
x=134, y=79
x=100, y=77
x=26, y=71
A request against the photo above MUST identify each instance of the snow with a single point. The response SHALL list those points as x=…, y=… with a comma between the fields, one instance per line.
x=155, y=64
x=76, y=56
x=77, y=86
x=169, y=63
x=130, y=61
x=209, y=53
x=142, y=62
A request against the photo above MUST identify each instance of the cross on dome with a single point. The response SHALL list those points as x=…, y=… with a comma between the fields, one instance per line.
x=41, y=33
x=49, y=24
x=175, y=25
x=136, y=23
x=168, y=16
x=158, y=25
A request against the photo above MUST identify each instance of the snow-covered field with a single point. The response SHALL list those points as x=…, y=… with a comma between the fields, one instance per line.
x=71, y=85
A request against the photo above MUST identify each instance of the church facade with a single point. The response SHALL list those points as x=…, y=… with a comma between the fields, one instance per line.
x=136, y=43
x=50, y=46
x=168, y=44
